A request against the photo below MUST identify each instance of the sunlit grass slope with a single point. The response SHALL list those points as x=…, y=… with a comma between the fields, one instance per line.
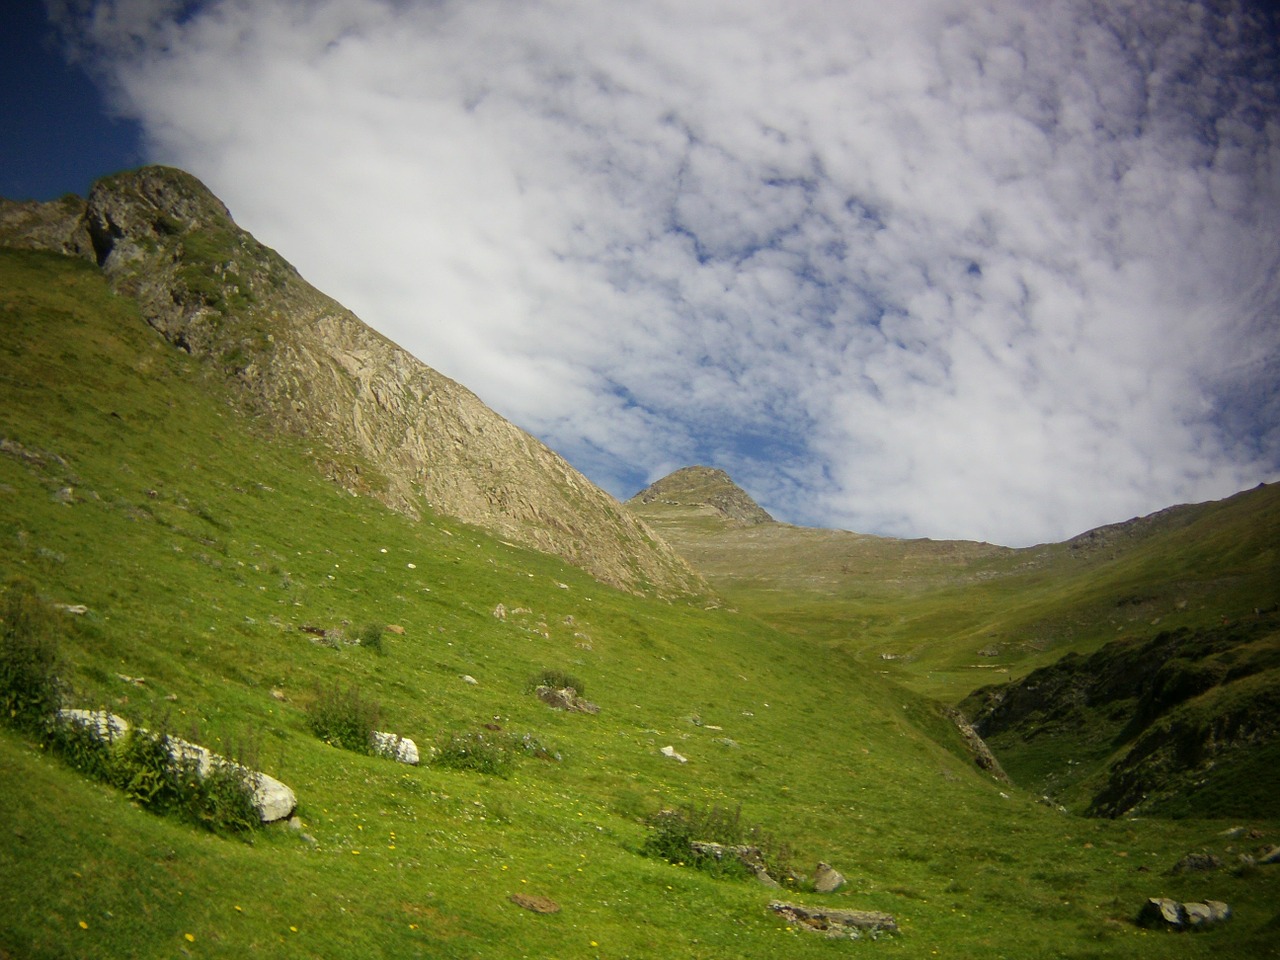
x=201, y=545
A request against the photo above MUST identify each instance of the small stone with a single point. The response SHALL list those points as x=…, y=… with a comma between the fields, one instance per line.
x=826, y=879
x=670, y=751
x=467, y=678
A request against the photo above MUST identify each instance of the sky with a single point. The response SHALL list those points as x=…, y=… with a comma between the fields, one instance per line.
x=979, y=269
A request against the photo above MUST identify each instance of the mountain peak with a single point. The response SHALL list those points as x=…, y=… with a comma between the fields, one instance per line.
x=381, y=422
x=705, y=487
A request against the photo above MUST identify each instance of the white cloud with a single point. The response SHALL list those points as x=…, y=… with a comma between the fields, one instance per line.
x=999, y=270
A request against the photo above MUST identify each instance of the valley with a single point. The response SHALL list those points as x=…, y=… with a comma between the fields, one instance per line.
x=224, y=558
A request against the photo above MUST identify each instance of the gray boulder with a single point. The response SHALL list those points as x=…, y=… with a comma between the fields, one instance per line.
x=394, y=747
x=826, y=879
x=1162, y=912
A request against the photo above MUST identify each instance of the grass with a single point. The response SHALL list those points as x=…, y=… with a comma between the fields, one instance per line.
x=201, y=544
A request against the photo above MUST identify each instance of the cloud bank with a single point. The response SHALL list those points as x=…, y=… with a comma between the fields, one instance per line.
x=990, y=270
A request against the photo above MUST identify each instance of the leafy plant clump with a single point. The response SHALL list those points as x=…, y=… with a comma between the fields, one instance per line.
x=477, y=751
x=341, y=717
x=30, y=692
x=675, y=836
x=557, y=680
x=155, y=772
x=370, y=636
x=490, y=753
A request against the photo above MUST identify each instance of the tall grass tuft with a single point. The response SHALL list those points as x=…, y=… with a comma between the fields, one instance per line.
x=30, y=691
x=341, y=717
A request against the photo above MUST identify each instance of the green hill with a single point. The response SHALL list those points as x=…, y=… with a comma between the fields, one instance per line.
x=222, y=573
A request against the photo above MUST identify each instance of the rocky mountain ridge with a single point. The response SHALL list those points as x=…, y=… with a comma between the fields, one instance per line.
x=385, y=424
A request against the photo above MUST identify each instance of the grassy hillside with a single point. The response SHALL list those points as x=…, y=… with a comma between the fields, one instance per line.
x=944, y=617
x=201, y=545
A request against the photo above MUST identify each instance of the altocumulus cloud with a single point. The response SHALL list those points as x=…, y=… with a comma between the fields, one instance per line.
x=986, y=269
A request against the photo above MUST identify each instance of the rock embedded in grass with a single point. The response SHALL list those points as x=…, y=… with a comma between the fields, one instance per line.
x=395, y=747
x=1172, y=915
x=853, y=924
x=826, y=879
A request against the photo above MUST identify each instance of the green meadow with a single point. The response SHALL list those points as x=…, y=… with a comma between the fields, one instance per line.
x=210, y=553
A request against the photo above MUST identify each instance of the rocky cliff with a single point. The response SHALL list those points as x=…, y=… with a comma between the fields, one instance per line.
x=384, y=423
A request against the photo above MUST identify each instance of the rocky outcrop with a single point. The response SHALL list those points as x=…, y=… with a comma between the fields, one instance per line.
x=58, y=226
x=851, y=924
x=383, y=423
x=1157, y=719
x=565, y=698
x=978, y=749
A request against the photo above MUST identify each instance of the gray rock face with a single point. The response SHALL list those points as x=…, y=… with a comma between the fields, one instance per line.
x=982, y=755
x=397, y=430
x=1172, y=915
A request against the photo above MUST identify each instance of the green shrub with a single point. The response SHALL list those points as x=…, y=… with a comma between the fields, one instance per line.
x=478, y=752
x=225, y=801
x=30, y=692
x=155, y=775
x=672, y=833
x=370, y=635
x=557, y=680
x=343, y=718
x=146, y=770
x=82, y=746
x=489, y=752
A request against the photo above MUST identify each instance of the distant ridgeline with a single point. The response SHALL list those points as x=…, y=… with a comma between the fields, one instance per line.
x=390, y=426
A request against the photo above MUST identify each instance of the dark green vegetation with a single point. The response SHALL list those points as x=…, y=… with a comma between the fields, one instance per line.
x=202, y=542
x=339, y=716
x=1186, y=723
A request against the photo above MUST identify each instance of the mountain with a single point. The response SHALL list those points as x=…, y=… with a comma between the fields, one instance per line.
x=703, y=491
x=194, y=572
x=382, y=423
